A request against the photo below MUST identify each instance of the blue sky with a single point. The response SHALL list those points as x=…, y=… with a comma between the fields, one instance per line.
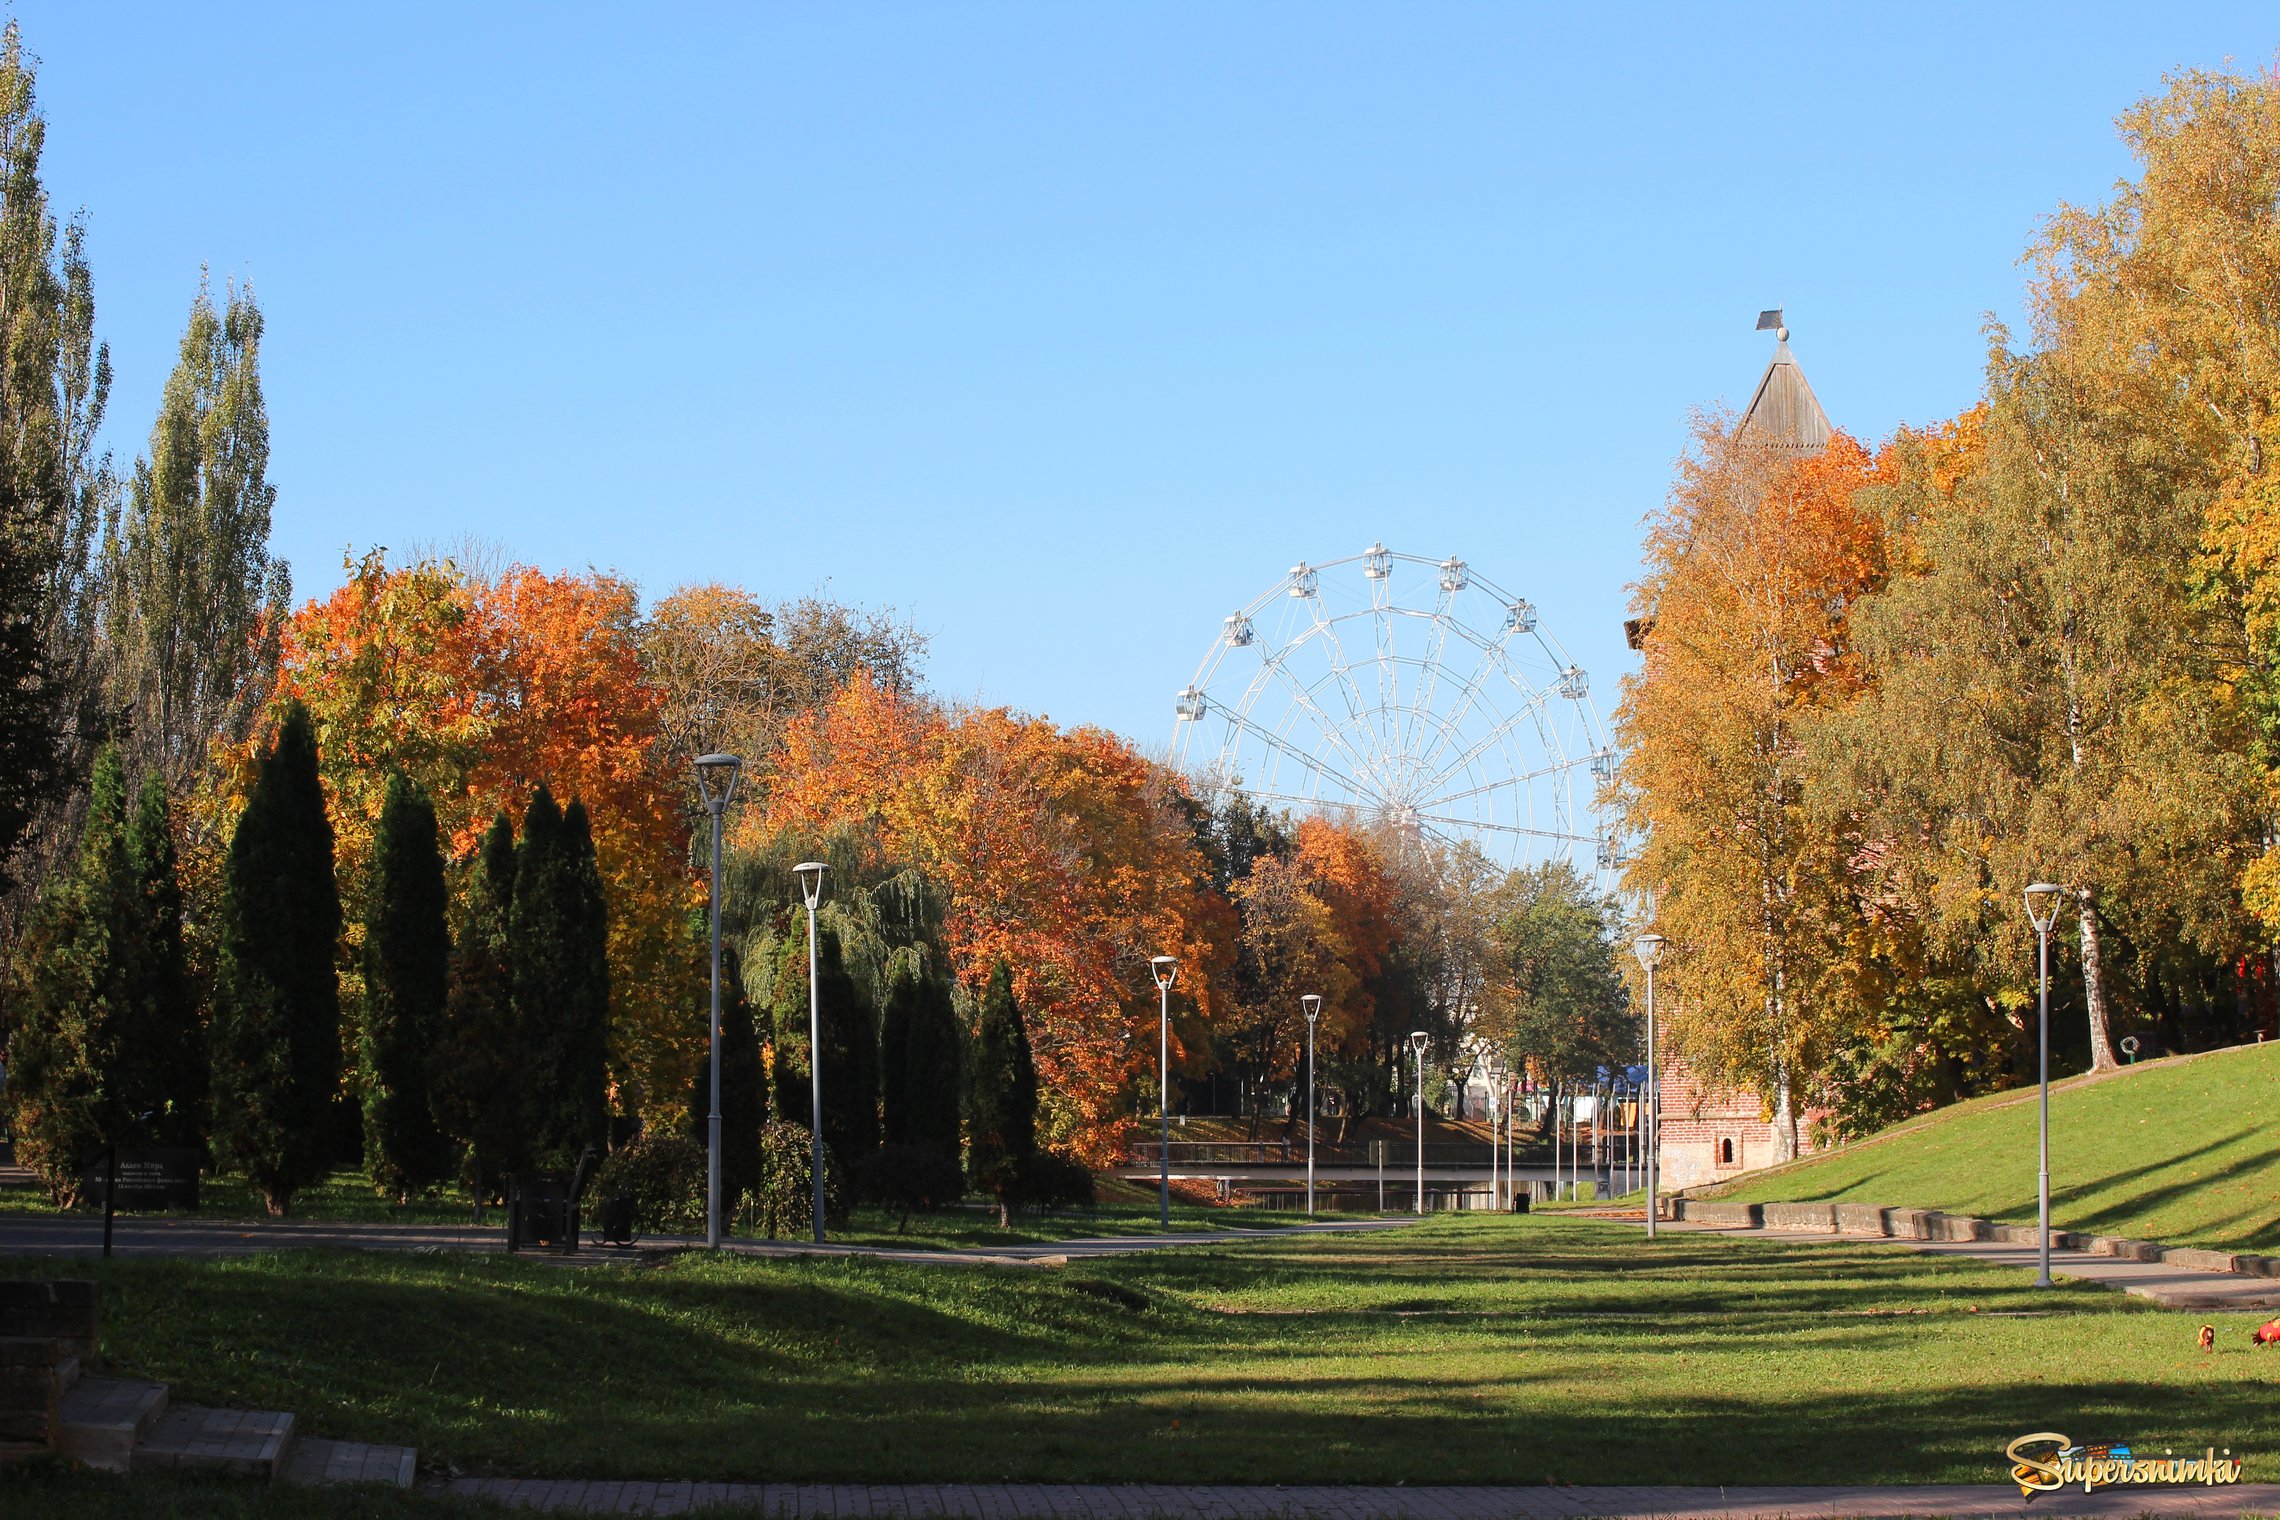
x=1067, y=328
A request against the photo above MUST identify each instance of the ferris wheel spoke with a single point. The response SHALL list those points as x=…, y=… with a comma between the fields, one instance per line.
x=1518, y=829
x=1341, y=668
x=1284, y=746
x=1490, y=658
x=1304, y=696
x=1443, y=799
x=1532, y=709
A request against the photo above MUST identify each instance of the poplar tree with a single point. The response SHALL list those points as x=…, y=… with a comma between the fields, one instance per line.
x=585, y=1025
x=194, y=600
x=275, y=1034
x=1001, y=1096
x=557, y=939
x=478, y=1087
x=407, y=978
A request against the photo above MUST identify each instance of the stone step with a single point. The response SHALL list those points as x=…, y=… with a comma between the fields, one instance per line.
x=316, y=1460
x=103, y=1419
x=249, y=1443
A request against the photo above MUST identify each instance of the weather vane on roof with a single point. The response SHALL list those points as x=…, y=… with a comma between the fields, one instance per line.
x=1772, y=322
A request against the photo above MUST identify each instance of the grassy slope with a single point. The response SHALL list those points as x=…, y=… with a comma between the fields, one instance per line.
x=2185, y=1151
x=1466, y=1349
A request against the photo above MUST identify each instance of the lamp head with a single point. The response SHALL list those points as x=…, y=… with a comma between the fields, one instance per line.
x=1648, y=948
x=1417, y=1042
x=1312, y=1003
x=2042, y=904
x=810, y=874
x=1165, y=969
x=718, y=771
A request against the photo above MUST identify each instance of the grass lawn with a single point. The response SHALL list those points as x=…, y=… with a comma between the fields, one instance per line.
x=2184, y=1151
x=1463, y=1350
x=1124, y=1209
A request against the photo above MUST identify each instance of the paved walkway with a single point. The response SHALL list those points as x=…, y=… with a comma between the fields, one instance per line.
x=2171, y=1287
x=81, y=1235
x=1153, y=1501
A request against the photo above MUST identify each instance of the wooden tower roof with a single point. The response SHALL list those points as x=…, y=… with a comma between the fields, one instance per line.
x=1785, y=413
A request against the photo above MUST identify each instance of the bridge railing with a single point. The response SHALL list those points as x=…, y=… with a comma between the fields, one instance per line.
x=1252, y=1153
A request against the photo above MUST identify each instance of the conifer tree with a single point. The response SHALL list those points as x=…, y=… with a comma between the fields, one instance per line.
x=73, y=997
x=560, y=977
x=478, y=1087
x=1001, y=1096
x=743, y=1087
x=897, y=1012
x=850, y=1047
x=275, y=1035
x=931, y=1087
x=166, y=1002
x=407, y=977
x=586, y=1016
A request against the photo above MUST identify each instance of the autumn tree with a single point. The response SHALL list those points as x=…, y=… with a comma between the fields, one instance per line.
x=275, y=1033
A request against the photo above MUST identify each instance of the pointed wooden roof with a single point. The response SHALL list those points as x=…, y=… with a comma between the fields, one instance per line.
x=1785, y=413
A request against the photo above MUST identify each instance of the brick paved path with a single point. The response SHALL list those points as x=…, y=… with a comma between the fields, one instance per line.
x=1150, y=1501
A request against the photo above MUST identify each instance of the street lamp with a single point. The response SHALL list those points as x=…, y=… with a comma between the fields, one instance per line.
x=716, y=782
x=2042, y=908
x=1492, y=1076
x=810, y=874
x=1166, y=970
x=1417, y=1043
x=1648, y=948
x=1312, y=1003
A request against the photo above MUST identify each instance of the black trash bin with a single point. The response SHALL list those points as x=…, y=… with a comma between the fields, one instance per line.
x=1519, y=1200
x=614, y=1221
x=541, y=1211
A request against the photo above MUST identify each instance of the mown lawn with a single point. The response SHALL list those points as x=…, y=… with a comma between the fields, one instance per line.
x=2185, y=1151
x=1462, y=1350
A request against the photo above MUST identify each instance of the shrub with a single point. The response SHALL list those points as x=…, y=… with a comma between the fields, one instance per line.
x=664, y=1175
x=908, y=1179
x=785, y=1205
x=1046, y=1182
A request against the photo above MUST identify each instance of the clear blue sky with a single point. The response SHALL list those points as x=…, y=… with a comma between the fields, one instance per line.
x=1066, y=328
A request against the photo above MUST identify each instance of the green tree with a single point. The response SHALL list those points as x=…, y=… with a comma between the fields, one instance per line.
x=194, y=600
x=407, y=981
x=1553, y=992
x=743, y=1087
x=69, y=1088
x=174, y=1082
x=850, y=1047
x=921, y=1080
x=275, y=1034
x=54, y=491
x=1001, y=1097
x=556, y=943
x=478, y=1087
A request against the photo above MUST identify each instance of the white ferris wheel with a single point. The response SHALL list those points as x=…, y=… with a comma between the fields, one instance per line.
x=1405, y=690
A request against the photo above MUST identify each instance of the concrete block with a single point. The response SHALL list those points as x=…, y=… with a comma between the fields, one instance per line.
x=2195, y=1259
x=1715, y=1211
x=1941, y=1226
x=1817, y=1217
x=1861, y=1219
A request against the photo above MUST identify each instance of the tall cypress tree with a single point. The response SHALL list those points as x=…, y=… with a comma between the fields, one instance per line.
x=897, y=1013
x=275, y=1034
x=585, y=1075
x=743, y=1086
x=850, y=1047
x=478, y=1087
x=407, y=979
x=1001, y=1096
x=166, y=1003
x=68, y=1086
x=934, y=1066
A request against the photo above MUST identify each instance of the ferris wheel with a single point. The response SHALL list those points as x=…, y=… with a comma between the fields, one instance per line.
x=1410, y=691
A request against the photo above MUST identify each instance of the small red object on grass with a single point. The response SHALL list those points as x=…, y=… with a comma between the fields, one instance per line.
x=2267, y=1333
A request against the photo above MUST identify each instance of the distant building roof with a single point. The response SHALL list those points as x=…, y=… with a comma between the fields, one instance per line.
x=1785, y=413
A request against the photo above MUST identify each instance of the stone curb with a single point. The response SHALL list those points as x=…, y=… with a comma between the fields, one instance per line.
x=1874, y=1222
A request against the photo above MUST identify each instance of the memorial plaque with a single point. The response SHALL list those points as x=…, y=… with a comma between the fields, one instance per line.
x=152, y=1177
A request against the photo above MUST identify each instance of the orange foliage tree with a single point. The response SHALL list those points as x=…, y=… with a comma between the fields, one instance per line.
x=1060, y=851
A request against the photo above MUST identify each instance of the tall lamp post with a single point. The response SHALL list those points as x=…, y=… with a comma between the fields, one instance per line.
x=2042, y=908
x=1166, y=970
x=1417, y=1043
x=716, y=780
x=1312, y=1003
x=1648, y=947
x=810, y=873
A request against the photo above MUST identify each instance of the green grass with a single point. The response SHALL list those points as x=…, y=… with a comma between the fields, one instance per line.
x=1124, y=1209
x=2184, y=1151
x=1462, y=1350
